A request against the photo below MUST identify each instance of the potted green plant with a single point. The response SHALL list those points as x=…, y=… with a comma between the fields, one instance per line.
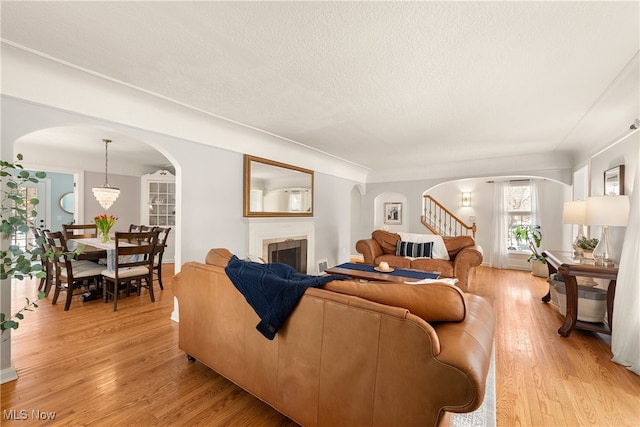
x=587, y=245
x=532, y=235
x=17, y=262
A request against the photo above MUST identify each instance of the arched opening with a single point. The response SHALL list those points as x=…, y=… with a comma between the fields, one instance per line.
x=390, y=212
x=73, y=156
x=482, y=211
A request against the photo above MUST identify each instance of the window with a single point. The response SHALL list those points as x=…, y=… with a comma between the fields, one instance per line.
x=25, y=239
x=520, y=211
x=295, y=201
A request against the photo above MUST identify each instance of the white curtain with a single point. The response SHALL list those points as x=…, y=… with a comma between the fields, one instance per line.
x=535, y=190
x=625, y=334
x=499, y=255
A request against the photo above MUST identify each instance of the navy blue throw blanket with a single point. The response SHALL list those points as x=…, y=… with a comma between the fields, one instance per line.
x=273, y=290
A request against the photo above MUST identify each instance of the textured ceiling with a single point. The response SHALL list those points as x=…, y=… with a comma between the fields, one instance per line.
x=380, y=84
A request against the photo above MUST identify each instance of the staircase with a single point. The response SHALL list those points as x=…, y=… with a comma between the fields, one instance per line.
x=441, y=221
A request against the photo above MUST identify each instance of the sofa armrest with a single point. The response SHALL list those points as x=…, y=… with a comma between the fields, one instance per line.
x=471, y=255
x=370, y=249
x=468, y=346
x=467, y=258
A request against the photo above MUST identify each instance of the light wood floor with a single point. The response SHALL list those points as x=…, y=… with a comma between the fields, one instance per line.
x=91, y=366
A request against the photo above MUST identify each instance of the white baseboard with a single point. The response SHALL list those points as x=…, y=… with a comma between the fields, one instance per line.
x=8, y=375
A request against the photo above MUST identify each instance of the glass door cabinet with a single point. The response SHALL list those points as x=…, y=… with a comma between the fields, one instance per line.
x=159, y=210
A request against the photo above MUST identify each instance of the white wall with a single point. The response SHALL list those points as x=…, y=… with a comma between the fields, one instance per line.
x=333, y=213
x=126, y=207
x=624, y=153
x=379, y=211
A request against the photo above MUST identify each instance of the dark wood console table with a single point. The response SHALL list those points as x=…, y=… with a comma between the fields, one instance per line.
x=569, y=268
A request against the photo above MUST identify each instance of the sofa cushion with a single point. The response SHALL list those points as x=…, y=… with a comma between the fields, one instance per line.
x=445, y=268
x=414, y=250
x=433, y=302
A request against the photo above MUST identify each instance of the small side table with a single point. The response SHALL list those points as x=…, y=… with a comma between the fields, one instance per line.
x=569, y=268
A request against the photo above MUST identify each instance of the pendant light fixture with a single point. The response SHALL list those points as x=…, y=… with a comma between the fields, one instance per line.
x=106, y=194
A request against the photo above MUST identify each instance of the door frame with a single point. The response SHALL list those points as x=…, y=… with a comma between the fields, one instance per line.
x=78, y=187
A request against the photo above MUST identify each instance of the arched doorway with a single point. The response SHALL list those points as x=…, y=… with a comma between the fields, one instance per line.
x=78, y=151
x=482, y=210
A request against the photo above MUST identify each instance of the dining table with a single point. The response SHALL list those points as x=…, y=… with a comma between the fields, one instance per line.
x=87, y=251
x=93, y=248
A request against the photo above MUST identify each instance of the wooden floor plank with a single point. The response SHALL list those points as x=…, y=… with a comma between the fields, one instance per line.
x=94, y=367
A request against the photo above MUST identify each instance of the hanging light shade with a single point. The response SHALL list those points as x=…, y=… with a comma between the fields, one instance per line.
x=106, y=194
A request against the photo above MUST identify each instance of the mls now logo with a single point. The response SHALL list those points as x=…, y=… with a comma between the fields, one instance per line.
x=23, y=414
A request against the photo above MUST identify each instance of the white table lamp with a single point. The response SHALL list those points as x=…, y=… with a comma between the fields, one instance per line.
x=606, y=211
x=574, y=212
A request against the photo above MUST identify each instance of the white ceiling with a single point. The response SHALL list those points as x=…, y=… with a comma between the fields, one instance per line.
x=380, y=84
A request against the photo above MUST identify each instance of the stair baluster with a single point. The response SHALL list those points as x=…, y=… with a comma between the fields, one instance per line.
x=441, y=221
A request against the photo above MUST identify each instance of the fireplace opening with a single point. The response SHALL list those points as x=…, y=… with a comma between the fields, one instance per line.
x=290, y=252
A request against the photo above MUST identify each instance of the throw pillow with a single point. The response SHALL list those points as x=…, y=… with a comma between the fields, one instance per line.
x=414, y=250
x=439, y=248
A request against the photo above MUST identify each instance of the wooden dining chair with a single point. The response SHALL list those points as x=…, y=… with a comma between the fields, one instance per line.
x=134, y=228
x=79, y=231
x=133, y=264
x=163, y=235
x=71, y=275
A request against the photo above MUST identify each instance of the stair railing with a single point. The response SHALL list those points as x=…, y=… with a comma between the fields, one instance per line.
x=441, y=221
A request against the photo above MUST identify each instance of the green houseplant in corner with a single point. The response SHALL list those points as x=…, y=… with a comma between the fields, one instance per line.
x=17, y=216
x=532, y=235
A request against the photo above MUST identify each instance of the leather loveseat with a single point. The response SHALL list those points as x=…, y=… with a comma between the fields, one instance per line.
x=462, y=251
x=350, y=354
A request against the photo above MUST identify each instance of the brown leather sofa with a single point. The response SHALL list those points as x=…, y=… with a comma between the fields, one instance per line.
x=463, y=253
x=350, y=354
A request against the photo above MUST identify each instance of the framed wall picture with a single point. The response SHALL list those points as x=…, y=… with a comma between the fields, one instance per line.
x=614, y=181
x=393, y=213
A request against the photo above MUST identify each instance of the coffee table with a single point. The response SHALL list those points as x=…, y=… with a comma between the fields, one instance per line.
x=368, y=272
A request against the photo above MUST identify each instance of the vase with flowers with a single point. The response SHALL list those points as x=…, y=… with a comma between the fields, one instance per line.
x=104, y=223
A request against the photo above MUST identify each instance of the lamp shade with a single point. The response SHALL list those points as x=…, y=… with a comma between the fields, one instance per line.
x=574, y=212
x=612, y=211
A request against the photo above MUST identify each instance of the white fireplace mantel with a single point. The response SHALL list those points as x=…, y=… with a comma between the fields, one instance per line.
x=261, y=230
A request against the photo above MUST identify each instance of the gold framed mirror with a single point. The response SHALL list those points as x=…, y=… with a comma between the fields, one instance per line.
x=274, y=189
x=67, y=201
